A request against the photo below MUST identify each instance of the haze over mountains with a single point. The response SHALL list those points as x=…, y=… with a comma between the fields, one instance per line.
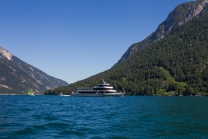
x=171, y=59
x=18, y=77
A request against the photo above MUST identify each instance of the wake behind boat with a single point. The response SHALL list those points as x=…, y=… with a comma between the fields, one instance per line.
x=102, y=90
x=65, y=95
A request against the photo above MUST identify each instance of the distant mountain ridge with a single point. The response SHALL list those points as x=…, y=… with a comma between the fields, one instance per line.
x=174, y=65
x=17, y=76
x=180, y=15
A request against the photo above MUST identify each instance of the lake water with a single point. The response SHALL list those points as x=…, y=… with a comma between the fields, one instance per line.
x=111, y=117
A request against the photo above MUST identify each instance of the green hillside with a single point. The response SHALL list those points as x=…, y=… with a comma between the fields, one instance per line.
x=179, y=16
x=176, y=64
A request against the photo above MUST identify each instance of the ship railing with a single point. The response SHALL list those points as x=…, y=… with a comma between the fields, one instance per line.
x=84, y=88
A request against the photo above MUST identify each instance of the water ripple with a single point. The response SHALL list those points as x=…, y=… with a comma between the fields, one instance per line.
x=122, y=117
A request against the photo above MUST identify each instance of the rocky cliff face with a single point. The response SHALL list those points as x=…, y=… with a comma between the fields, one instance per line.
x=179, y=16
x=17, y=76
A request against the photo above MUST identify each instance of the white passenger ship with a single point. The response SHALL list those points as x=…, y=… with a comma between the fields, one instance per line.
x=104, y=89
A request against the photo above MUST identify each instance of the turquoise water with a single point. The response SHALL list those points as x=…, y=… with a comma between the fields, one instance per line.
x=112, y=117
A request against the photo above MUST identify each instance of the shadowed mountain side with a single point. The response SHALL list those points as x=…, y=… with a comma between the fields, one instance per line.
x=18, y=77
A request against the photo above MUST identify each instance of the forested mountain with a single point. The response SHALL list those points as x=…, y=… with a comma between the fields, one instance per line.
x=177, y=63
x=18, y=77
x=180, y=15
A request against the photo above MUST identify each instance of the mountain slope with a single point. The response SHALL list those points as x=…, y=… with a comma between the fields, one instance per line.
x=178, y=63
x=180, y=15
x=17, y=76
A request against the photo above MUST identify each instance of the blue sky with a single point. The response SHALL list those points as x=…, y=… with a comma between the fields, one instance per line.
x=75, y=39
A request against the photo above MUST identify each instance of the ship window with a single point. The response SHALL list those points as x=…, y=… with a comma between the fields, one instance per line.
x=87, y=92
x=102, y=89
